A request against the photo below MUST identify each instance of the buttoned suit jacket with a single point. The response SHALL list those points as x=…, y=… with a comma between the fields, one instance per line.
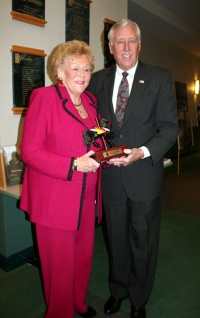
x=150, y=120
x=52, y=193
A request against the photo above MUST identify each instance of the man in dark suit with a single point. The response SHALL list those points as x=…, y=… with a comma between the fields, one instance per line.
x=132, y=186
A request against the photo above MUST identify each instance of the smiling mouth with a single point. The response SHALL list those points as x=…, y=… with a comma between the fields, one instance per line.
x=126, y=55
x=79, y=82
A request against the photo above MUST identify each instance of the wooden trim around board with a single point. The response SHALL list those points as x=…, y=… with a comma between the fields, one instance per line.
x=2, y=173
x=27, y=50
x=19, y=110
x=109, y=21
x=27, y=18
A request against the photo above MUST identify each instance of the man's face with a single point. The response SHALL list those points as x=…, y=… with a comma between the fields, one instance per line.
x=125, y=47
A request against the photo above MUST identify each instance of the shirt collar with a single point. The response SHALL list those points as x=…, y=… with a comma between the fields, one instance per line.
x=131, y=72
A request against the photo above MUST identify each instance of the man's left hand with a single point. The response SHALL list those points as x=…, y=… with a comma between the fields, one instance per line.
x=132, y=155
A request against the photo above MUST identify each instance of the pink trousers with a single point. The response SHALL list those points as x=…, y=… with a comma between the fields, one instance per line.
x=66, y=261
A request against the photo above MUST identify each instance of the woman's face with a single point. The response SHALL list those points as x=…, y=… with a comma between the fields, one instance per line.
x=76, y=74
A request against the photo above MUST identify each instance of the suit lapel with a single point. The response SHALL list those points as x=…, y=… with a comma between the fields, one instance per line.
x=69, y=108
x=139, y=83
x=108, y=86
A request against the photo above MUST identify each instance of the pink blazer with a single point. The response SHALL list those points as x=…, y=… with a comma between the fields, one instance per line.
x=52, y=137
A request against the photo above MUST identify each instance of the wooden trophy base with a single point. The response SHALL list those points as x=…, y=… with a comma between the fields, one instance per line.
x=107, y=154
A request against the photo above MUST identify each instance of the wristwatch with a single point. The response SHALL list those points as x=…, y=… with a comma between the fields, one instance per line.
x=74, y=165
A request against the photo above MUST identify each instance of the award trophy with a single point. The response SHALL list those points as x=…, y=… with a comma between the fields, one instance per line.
x=104, y=132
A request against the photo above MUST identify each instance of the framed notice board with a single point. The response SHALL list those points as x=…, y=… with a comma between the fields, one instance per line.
x=77, y=20
x=29, y=11
x=108, y=57
x=181, y=96
x=28, y=73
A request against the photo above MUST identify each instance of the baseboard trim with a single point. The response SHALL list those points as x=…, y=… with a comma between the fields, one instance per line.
x=17, y=259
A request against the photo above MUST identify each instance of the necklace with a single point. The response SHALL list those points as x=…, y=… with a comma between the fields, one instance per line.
x=76, y=105
x=81, y=110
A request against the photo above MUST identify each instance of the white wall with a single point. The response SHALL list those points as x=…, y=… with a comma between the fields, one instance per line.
x=18, y=33
x=23, y=34
x=182, y=65
x=99, y=10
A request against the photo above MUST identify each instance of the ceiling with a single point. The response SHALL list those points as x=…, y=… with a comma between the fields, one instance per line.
x=174, y=21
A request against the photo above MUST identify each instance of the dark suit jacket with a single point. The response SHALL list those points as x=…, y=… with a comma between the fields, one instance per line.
x=150, y=120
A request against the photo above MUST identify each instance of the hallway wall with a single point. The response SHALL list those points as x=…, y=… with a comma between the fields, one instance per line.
x=23, y=34
x=182, y=65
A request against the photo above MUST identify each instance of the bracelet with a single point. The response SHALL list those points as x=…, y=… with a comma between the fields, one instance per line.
x=74, y=165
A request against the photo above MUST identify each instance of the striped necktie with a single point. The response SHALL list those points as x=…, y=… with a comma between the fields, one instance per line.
x=122, y=98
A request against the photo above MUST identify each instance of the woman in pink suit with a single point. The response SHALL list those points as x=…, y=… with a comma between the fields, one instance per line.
x=61, y=179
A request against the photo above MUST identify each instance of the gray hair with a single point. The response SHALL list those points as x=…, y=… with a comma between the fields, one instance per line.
x=122, y=23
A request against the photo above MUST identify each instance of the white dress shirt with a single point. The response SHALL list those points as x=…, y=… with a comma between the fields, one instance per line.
x=130, y=78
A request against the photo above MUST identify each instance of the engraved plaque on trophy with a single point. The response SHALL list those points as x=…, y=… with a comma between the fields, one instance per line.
x=109, y=153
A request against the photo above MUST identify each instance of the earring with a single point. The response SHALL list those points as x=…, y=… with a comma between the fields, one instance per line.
x=60, y=81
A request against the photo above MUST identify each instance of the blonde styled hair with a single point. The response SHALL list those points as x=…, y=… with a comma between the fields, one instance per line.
x=71, y=49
